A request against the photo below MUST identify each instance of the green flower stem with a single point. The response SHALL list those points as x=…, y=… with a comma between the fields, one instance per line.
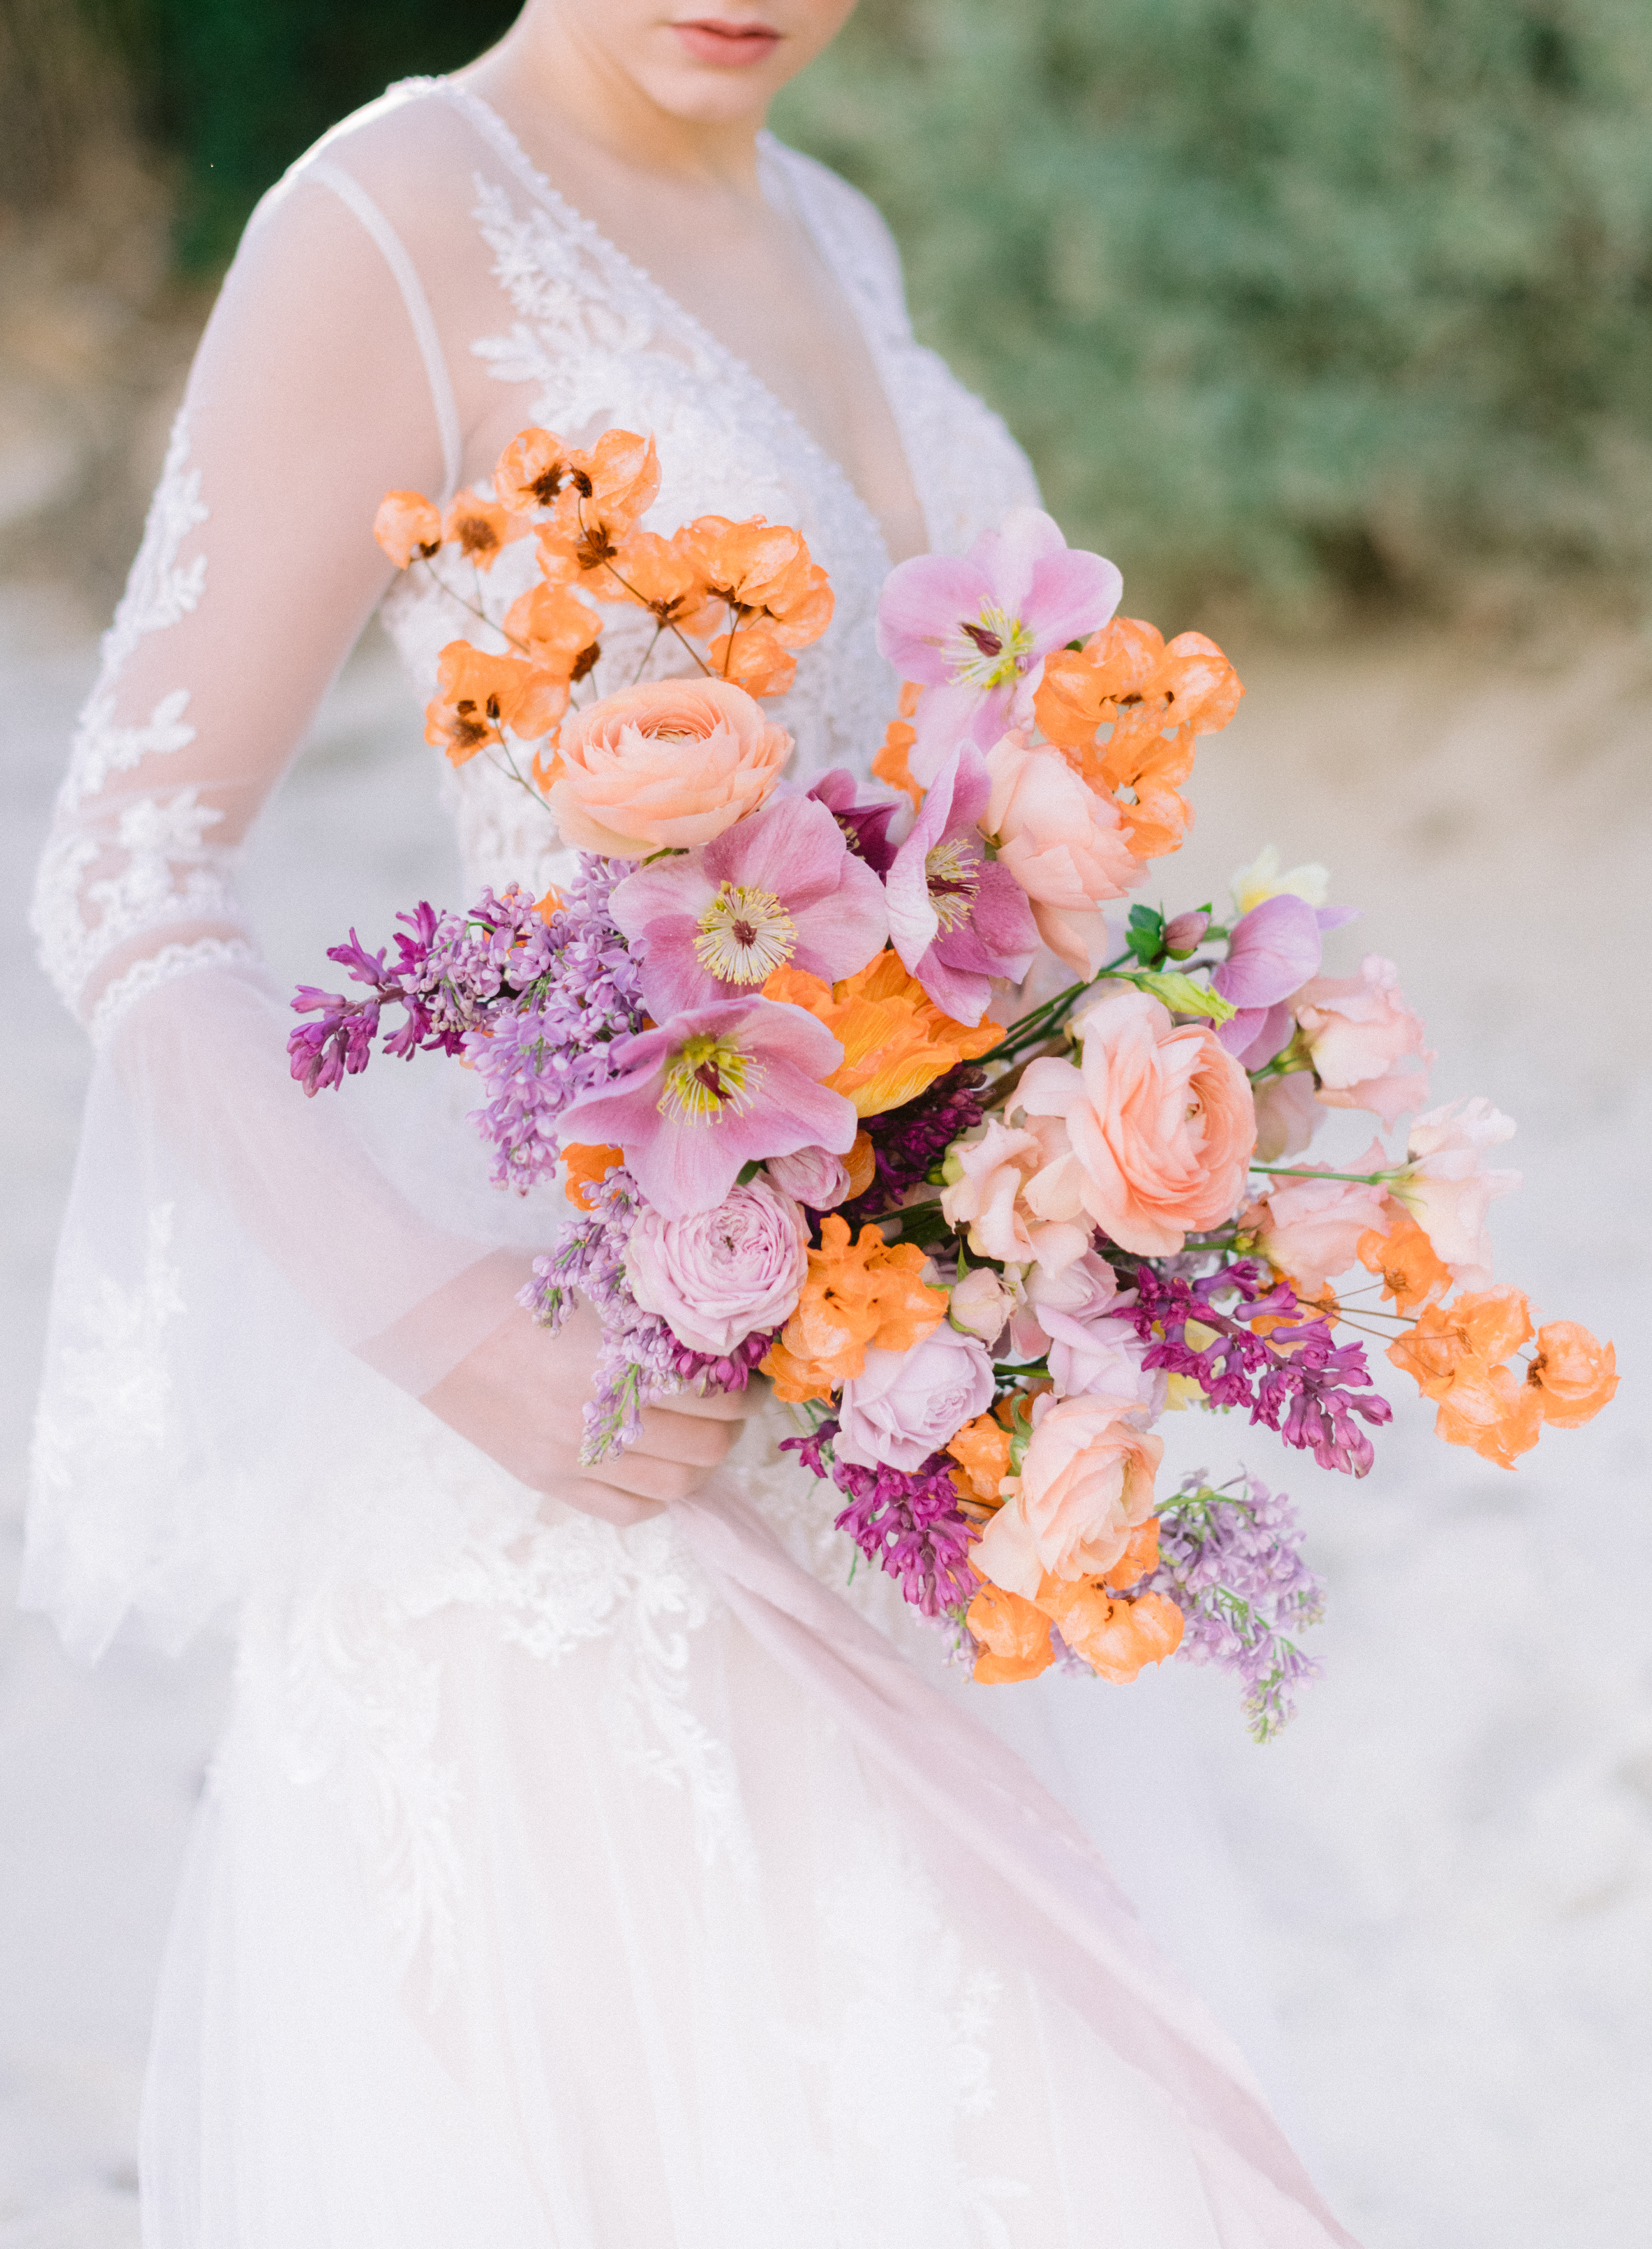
x=1309, y=1172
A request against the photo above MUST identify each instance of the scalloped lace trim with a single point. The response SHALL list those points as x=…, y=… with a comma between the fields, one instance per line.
x=157, y=968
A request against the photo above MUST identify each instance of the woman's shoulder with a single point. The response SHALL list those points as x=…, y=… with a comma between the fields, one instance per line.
x=392, y=152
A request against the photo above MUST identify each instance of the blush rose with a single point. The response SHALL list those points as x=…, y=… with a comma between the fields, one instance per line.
x=1086, y=1482
x=721, y=1275
x=906, y=1405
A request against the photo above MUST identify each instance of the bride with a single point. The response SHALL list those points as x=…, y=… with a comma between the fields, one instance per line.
x=583, y=1865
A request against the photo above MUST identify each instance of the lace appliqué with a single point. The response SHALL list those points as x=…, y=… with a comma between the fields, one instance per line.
x=157, y=968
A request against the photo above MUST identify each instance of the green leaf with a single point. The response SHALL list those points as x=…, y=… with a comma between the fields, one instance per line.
x=1181, y=995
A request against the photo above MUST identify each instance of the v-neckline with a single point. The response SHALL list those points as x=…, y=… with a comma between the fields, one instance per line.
x=504, y=140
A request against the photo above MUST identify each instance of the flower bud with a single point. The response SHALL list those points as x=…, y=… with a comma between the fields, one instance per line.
x=1184, y=934
x=812, y=1176
x=980, y=1304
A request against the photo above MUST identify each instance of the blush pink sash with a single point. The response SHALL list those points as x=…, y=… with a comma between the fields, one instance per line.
x=992, y=1835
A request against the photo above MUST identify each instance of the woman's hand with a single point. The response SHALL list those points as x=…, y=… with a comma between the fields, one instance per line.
x=520, y=1396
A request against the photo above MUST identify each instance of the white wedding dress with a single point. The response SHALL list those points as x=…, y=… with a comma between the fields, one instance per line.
x=557, y=1887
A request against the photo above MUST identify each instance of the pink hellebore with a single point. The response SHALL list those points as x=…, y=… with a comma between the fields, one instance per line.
x=716, y=1088
x=780, y=889
x=1273, y=952
x=974, y=631
x=1367, y=1044
x=957, y=919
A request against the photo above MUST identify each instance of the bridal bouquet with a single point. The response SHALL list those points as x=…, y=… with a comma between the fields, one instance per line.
x=860, y=1089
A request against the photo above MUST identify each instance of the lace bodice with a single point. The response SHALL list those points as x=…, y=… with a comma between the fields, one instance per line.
x=413, y=293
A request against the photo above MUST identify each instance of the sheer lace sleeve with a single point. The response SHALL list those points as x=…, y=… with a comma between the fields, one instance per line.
x=217, y=1212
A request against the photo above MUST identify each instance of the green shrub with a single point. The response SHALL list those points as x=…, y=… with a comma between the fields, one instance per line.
x=1285, y=295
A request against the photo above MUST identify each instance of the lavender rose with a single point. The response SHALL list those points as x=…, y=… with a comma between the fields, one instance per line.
x=716, y=1276
x=907, y=1403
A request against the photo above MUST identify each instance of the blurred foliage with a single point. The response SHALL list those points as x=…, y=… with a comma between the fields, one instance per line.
x=1298, y=302
x=1295, y=298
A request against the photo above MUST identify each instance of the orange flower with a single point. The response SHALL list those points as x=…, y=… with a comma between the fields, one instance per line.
x=861, y=1164
x=478, y=696
x=895, y=1039
x=982, y=1448
x=1412, y=1274
x=1491, y=1410
x=607, y=492
x=659, y=576
x=532, y=469
x=1114, y=1637
x=482, y=529
x=753, y=659
x=1014, y=1635
x=1573, y=1375
x=406, y=525
x=1463, y=1339
x=1153, y=699
x=891, y=764
x=761, y=569
x=1139, y=1559
x=587, y=1167
x=856, y=1294
x=559, y=631
x=1454, y=1355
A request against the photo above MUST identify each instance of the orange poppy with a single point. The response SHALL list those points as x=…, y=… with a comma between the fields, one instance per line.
x=1014, y=1635
x=587, y=1167
x=982, y=1449
x=1139, y=1559
x=478, y=697
x=1491, y=1410
x=753, y=659
x=891, y=764
x=1153, y=699
x=407, y=526
x=559, y=631
x=896, y=1040
x=1463, y=1339
x=482, y=529
x=658, y=576
x=1412, y=1274
x=532, y=469
x=861, y=1164
x=1115, y=1637
x=1573, y=1375
x=856, y=1293
x=761, y=569
x=607, y=492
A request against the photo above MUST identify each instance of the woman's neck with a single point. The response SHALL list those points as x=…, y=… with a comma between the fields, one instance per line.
x=552, y=70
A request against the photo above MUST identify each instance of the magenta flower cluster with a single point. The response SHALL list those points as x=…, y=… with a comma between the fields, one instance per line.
x=907, y=1521
x=1296, y=1379
x=1230, y=1560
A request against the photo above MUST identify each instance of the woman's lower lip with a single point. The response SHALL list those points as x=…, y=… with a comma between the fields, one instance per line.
x=734, y=45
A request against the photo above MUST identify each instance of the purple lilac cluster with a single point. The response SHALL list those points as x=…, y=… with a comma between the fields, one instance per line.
x=907, y=1522
x=1295, y=1379
x=1230, y=1561
x=909, y=1143
x=557, y=1040
x=640, y=1359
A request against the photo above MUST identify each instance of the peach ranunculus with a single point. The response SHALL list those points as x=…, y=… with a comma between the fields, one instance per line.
x=408, y=527
x=986, y=1191
x=1447, y=1187
x=1311, y=1229
x=1160, y=1121
x=1063, y=844
x=669, y=763
x=1362, y=1036
x=1086, y=1482
x=480, y=696
x=1574, y=1373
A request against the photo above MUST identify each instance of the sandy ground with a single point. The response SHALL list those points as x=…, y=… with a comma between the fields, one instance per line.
x=1451, y=1852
